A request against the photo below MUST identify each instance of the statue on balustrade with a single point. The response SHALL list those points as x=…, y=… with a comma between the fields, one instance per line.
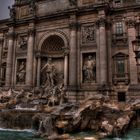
x=89, y=69
x=12, y=12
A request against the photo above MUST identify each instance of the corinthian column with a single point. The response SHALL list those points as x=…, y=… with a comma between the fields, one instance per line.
x=1, y=46
x=29, y=65
x=9, y=58
x=66, y=52
x=73, y=56
x=132, y=60
x=102, y=51
x=38, y=70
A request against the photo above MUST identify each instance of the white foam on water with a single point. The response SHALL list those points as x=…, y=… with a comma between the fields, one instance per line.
x=17, y=130
x=21, y=108
x=117, y=139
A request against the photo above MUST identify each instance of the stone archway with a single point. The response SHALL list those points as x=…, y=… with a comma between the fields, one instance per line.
x=53, y=46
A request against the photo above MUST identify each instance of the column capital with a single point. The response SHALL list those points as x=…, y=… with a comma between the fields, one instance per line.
x=101, y=22
x=11, y=35
x=66, y=51
x=1, y=40
x=31, y=31
x=74, y=25
x=131, y=23
x=38, y=54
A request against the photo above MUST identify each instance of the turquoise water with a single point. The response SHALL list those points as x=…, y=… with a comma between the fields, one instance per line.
x=133, y=134
x=17, y=135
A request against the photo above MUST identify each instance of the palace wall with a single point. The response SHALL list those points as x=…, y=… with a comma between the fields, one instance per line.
x=89, y=42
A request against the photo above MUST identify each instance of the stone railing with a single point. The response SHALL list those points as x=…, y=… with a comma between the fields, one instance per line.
x=121, y=78
x=119, y=37
x=126, y=3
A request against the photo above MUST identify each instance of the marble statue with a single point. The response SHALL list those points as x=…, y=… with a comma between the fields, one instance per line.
x=12, y=12
x=50, y=72
x=89, y=69
x=21, y=72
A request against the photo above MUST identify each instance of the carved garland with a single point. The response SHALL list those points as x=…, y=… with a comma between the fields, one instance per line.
x=131, y=23
x=88, y=34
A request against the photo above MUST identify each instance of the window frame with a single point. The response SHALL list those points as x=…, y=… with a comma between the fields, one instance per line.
x=119, y=29
x=118, y=2
x=123, y=76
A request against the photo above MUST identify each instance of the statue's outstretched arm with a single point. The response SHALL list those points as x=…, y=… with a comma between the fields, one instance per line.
x=44, y=67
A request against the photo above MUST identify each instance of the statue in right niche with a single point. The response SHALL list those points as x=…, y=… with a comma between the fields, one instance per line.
x=89, y=69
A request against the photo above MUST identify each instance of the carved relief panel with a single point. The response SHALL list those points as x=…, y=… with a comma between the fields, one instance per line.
x=22, y=43
x=24, y=11
x=89, y=68
x=21, y=71
x=88, y=34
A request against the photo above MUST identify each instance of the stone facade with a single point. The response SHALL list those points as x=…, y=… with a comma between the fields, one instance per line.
x=89, y=43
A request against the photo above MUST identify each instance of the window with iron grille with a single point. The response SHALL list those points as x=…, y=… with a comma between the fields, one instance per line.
x=138, y=29
x=119, y=28
x=120, y=67
x=118, y=2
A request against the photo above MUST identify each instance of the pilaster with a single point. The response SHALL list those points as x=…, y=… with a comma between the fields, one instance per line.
x=11, y=35
x=73, y=55
x=1, y=47
x=66, y=62
x=102, y=50
x=132, y=62
x=29, y=64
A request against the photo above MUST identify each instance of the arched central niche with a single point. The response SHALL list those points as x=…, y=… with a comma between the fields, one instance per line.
x=52, y=55
x=53, y=45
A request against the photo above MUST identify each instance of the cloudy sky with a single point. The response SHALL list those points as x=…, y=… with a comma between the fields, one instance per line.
x=4, y=12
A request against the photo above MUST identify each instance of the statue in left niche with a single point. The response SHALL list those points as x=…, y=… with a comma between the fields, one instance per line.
x=12, y=12
x=21, y=72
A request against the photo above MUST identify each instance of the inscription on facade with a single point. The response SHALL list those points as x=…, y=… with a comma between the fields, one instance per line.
x=88, y=1
x=24, y=11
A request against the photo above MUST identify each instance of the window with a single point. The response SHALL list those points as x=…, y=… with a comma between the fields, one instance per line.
x=119, y=28
x=120, y=67
x=138, y=29
x=118, y=2
x=121, y=97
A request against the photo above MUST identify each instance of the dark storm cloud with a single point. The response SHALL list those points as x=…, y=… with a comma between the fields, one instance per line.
x=4, y=11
